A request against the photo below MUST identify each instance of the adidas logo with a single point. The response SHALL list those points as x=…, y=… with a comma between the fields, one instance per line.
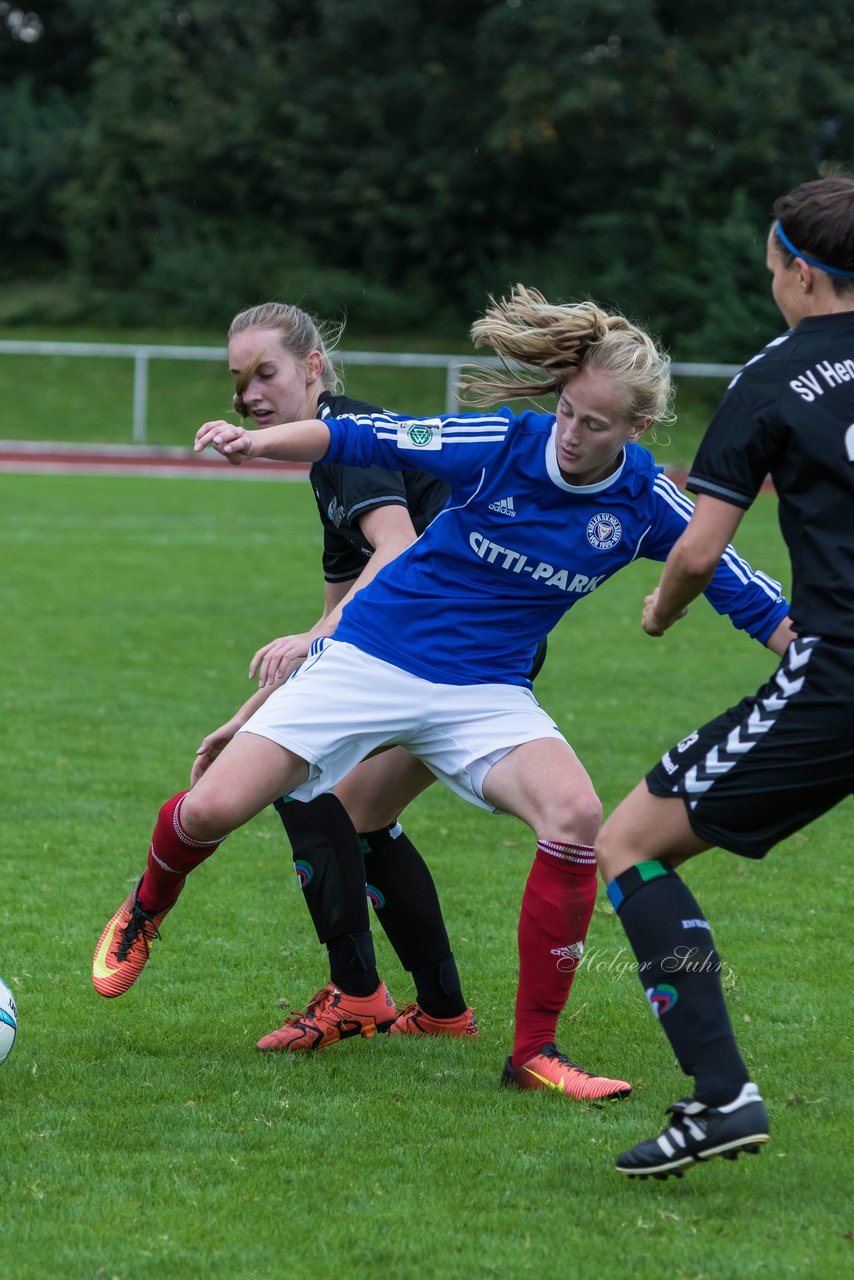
x=504, y=507
x=573, y=952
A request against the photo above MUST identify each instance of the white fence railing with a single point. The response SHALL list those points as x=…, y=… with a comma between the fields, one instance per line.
x=142, y=352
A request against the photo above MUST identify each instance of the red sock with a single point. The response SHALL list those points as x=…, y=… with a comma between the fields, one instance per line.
x=171, y=855
x=556, y=908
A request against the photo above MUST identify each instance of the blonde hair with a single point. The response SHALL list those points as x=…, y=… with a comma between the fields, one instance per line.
x=299, y=333
x=558, y=340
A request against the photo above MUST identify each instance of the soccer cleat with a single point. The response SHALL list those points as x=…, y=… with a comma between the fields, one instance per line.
x=124, y=946
x=699, y=1132
x=551, y=1069
x=332, y=1016
x=413, y=1021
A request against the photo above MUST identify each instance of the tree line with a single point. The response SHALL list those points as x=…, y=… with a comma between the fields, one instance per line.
x=398, y=160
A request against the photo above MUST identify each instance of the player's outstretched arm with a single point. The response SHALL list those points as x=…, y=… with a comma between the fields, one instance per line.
x=289, y=442
x=691, y=563
x=651, y=622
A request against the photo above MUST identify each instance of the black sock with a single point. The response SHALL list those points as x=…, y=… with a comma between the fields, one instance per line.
x=331, y=869
x=407, y=906
x=679, y=970
x=329, y=862
x=438, y=988
x=351, y=963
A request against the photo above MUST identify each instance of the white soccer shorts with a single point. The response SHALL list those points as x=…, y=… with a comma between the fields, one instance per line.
x=343, y=704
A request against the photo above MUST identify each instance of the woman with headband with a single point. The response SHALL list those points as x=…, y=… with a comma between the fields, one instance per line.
x=785, y=755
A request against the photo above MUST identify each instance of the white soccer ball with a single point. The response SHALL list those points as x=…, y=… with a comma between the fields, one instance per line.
x=8, y=1021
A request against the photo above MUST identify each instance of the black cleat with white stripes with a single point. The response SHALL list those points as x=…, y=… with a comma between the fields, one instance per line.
x=699, y=1132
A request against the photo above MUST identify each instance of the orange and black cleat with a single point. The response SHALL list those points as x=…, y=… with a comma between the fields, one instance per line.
x=413, y=1021
x=332, y=1016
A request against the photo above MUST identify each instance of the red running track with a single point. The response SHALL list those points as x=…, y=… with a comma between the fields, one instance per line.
x=126, y=460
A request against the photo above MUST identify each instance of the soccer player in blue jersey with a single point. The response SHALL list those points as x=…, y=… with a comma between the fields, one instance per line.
x=785, y=755
x=434, y=653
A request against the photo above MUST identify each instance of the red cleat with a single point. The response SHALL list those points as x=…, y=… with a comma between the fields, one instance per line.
x=124, y=946
x=551, y=1069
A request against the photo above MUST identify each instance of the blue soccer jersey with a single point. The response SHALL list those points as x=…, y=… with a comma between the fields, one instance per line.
x=515, y=547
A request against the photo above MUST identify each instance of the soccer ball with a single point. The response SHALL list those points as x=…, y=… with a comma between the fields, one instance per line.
x=8, y=1021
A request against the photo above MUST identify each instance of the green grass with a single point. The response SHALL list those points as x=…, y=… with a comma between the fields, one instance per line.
x=145, y=1136
x=89, y=399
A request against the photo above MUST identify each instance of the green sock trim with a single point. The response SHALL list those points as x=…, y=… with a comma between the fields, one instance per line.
x=651, y=870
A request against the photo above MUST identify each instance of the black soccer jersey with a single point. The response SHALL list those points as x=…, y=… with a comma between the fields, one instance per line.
x=790, y=413
x=344, y=494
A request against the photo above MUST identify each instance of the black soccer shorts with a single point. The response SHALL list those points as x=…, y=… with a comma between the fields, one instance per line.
x=775, y=761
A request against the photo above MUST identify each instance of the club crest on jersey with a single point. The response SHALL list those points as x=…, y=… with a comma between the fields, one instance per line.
x=604, y=531
x=419, y=435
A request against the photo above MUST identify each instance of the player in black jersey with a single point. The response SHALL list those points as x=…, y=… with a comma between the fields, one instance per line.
x=280, y=360
x=780, y=758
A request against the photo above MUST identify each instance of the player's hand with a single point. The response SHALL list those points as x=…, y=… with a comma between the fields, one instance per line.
x=211, y=746
x=652, y=621
x=234, y=443
x=275, y=661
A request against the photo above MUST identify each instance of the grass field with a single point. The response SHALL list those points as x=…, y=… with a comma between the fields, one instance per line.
x=146, y=1137
x=89, y=399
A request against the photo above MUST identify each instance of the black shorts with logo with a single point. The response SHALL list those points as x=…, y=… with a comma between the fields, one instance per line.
x=775, y=761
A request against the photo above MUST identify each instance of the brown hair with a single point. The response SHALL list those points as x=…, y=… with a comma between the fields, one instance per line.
x=818, y=218
x=299, y=333
x=558, y=340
